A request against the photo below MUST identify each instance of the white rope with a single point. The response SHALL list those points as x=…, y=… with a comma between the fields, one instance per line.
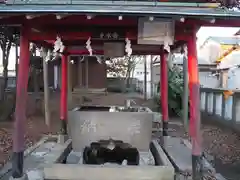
x=128, y=48
x=167, y=41
x=58, y=48
x=49, y=55
x=99, y=60
x=81, y=60
x=31, y=46
x=89, y=47
x=58, y=45
x=41, y=52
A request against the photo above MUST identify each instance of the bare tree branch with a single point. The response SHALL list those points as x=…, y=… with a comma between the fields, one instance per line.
x=7, y=38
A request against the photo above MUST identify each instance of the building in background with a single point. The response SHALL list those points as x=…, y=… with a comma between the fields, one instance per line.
x=139, y=74
x=214, y=48
x=206, y=71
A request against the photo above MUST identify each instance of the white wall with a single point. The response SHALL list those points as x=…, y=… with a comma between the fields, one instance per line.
x=231, y=60
x=178, y=59
x=233, y=79
x=210, y=52
x=208, y=80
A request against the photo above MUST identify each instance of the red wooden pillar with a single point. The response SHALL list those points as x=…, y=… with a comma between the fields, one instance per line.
x=194, y=91
x=164, y=91
x=21, y=101
x=63, y=103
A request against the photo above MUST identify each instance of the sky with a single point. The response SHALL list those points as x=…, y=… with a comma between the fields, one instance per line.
x=202, y=35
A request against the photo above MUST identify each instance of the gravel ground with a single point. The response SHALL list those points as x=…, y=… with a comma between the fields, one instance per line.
x=35, y=128
x=221, y=145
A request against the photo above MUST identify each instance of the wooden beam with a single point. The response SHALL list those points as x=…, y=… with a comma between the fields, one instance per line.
x=84, y=52
x=45, y=44
x=36, y=30
x=6, y=16
x=33, y=36
x=61, y=16
x=33, y=16
x=37, y=36
x=132, y=35
x=72, y=19
x=110, y=20
x=100, y=52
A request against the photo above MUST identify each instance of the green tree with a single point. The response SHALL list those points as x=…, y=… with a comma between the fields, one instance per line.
x=8, y=37
x=175, y=91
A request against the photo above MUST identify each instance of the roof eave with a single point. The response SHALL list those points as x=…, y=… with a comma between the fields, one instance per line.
x=121, y=9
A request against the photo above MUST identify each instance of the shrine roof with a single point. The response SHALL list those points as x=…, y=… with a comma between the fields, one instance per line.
x=119, y=7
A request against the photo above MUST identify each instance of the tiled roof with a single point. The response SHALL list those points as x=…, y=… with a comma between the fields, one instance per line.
x=153, y=2
x=225, y=40
x=126, y=7
x=37, y=2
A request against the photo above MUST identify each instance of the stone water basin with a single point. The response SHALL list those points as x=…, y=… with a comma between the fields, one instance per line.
x=153, y=165
x=131, y=125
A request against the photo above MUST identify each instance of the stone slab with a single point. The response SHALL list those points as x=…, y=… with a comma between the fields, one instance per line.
x=105, y=172
x=46, y=152
x=159, y=154
x=179, y=153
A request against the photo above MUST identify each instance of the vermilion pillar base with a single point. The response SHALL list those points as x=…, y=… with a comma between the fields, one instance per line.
x=164, y=91
x=17, y=164
x=63, y=105
x=194, y=92
x=63, y=130
x=21, y=100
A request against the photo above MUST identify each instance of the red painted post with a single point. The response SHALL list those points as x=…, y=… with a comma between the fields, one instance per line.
x=63, y=105
x=164, y=91
x=21, y=101
x=194, y=91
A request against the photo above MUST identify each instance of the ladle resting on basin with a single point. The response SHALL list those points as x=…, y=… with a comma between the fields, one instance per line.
x=110, y=151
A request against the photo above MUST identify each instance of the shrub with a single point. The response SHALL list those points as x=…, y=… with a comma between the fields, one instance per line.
x=175, y=91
